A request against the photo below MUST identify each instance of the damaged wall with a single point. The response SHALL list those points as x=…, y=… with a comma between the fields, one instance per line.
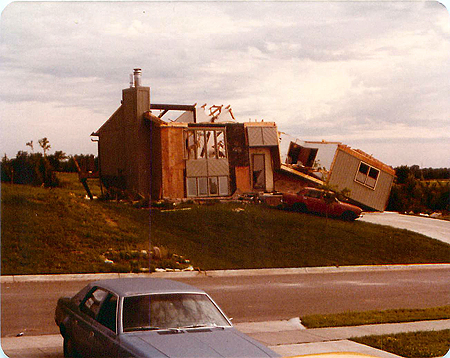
x=172, y=161
x=344, y=175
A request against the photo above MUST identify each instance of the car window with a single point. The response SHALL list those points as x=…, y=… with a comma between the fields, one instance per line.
x=314, y=194
x=108, y=313
x=91, y=304
x=330, y=196
x=164, y=311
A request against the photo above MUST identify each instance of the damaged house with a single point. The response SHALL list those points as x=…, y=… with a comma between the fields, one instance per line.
x=369, y=180
x=205, y=153
x=197, y=155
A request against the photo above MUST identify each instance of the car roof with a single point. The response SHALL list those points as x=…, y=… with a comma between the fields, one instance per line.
x=144, y=285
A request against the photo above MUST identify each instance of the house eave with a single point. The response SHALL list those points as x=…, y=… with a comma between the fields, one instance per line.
x=301, y=175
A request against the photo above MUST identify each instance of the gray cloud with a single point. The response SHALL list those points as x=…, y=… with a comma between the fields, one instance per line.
x=319, y=69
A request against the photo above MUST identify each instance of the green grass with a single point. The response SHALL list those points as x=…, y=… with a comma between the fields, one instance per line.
x=411, y=345
x=220, y=237
x=375, y=317
x=59, y=231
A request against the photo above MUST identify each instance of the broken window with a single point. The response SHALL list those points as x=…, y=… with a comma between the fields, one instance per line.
x=191, y=149
x=210, y=144
x=367, y=175
x=200, y=139
x=259, y=171
x=301, y=155
x=220, y=144
x=201, y=144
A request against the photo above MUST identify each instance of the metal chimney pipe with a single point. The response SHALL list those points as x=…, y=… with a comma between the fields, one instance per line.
x=137, y=77
x=131, y=80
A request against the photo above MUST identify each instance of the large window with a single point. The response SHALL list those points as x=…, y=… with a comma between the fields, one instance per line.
x=207, y=186
x=205, y=144
x=367, y=175
x=207, y=172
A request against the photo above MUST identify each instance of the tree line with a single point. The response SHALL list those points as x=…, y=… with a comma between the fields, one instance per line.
x=420, y=190
x=38, y=168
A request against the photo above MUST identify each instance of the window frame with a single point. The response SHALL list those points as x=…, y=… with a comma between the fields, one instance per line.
x=367, y=174
x=193, y=184
x=256, y=183
x=108, y=299
x=88, y=309
x=99, y=303
x=201, y=138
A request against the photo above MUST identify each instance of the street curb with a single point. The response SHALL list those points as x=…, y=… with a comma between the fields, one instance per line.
x=223, y=273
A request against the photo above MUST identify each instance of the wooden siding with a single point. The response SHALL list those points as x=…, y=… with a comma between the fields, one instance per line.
x=243, y=179
x=343, y=174
x=172, y=151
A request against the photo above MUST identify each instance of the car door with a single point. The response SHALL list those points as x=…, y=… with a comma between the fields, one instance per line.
x=95, y=332
x=105, y=341
x=315, y=202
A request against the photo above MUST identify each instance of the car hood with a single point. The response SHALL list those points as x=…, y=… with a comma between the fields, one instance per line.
x=208, y=343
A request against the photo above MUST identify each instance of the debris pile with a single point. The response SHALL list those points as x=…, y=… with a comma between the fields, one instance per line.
x=136, y=261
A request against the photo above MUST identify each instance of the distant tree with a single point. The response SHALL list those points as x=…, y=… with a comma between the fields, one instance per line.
x=45, y=145
x=56, y=160
x=420, y=190
x=6, y=169
x=402, y=173
x=30, y=144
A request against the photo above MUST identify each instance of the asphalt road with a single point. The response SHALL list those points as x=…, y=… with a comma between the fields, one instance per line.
x=28, y=307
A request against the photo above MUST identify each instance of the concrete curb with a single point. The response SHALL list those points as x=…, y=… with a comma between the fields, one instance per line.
x=223, y=273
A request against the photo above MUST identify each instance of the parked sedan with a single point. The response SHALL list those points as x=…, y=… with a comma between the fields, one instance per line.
x=321, y=202
x=149, y=317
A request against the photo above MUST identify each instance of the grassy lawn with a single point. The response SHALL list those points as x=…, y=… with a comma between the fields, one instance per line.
x=411, y=345
x=375, y=317
x=59, y=231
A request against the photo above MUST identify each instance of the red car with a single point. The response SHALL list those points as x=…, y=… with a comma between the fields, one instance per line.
x=321, y=202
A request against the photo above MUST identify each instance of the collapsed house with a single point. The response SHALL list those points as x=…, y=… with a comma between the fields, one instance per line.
x=205, y=153
x=197, y=155
x=368, y=180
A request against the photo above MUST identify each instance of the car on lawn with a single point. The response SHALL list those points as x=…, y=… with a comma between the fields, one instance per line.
x=149, y=317
x=321, y=202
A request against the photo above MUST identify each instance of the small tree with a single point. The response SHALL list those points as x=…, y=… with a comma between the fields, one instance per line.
x=45, y=145
x=30, y=144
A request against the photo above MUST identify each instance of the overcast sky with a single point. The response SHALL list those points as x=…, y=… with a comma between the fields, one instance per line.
x=372, y=75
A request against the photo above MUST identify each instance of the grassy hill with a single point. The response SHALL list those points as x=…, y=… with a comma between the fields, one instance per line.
x=59, y=231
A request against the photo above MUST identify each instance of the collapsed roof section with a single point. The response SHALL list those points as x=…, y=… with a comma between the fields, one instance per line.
x=194, y=114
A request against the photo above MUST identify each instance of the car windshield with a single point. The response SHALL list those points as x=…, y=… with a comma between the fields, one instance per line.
x=170, y=311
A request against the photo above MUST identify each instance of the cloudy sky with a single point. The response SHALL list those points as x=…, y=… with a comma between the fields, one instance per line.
x=372, y=75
